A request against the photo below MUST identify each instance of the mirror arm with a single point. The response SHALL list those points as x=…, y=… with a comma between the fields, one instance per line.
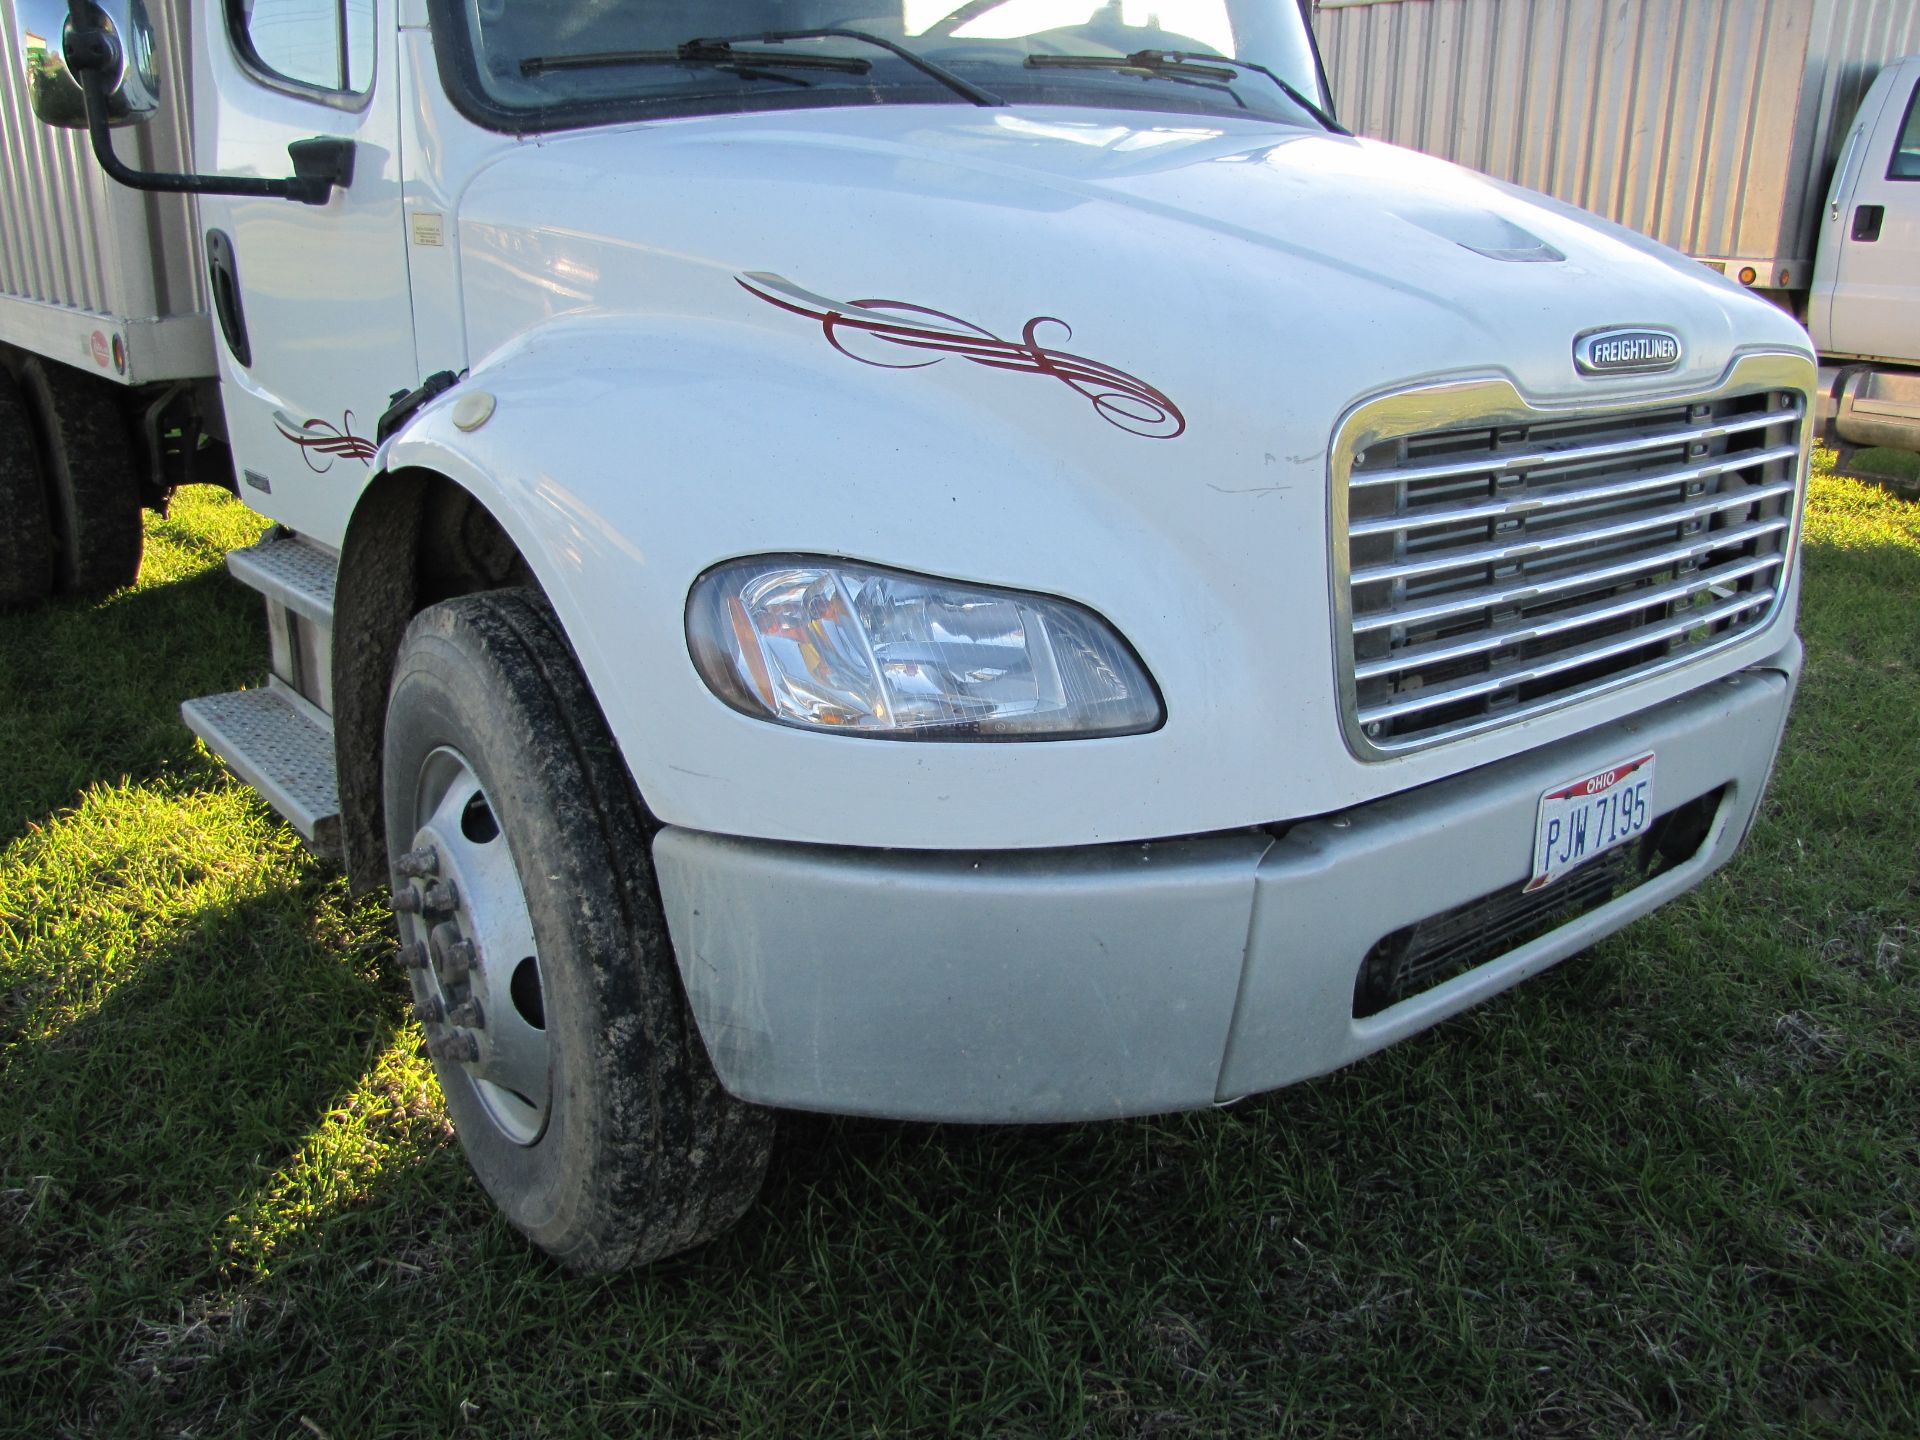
x=318, y=164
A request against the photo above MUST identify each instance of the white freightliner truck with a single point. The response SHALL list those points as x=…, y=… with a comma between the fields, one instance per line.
x=976, y=564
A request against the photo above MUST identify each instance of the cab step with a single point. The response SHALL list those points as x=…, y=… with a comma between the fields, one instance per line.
x=296, y=578
x=294, y=572
x=283, y=747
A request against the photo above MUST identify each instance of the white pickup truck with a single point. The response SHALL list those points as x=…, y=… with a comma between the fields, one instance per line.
x=975, y=564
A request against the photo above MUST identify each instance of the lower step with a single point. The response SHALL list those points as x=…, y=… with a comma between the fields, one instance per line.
x=269, y=741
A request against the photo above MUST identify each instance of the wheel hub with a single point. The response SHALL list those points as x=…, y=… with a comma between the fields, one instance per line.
x=475, y=967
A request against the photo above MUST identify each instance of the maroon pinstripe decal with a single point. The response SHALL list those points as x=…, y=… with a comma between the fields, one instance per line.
x=1122, y=400
x=323, y=437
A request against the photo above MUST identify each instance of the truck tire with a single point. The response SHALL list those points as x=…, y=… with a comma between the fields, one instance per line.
x=576, y=1079
x=93, y=494
x=26, y=540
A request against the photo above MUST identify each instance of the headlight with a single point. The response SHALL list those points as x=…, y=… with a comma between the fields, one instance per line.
x=849, y=648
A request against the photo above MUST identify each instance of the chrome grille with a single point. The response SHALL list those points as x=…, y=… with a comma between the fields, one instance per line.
x=1498, y=569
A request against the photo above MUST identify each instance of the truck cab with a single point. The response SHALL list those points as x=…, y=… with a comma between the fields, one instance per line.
x=1866, y=287
x=981, y=564
x=1863, y=311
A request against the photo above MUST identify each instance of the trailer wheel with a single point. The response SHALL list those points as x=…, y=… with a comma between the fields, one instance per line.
x=93, y=494
x=26, y=541
x=540, y=962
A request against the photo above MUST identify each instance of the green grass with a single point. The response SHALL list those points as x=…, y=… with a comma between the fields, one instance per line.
x=1670, y=1188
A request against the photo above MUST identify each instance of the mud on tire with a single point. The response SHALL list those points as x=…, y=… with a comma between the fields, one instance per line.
x=634, y=1151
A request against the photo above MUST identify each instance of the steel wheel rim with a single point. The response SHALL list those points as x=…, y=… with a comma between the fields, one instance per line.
x=483, y=1009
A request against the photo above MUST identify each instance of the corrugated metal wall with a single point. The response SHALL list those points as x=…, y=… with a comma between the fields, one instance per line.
x=1704, y=123
x=70, y=237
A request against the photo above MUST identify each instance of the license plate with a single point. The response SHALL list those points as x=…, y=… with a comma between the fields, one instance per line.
x=1591, y=815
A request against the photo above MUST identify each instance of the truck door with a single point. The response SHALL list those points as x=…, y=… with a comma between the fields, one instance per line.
x=311, y=300
x=1867, y=282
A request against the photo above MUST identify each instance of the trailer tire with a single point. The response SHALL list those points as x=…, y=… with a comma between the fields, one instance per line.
x=93, y=494
x=26, y=540
x=581, y=1092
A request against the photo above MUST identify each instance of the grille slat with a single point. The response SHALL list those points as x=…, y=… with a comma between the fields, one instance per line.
x=1568, y=620
x=1586, y=655
x=1547, y=500
x=1495, y=569
x=1514, y=594
x=1578, y=454
x=1521, y=550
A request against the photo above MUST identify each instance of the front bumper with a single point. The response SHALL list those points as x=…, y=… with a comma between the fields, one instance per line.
x=1133, y=979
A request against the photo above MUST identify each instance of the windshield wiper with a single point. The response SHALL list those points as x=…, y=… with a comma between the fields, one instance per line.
x=718, y=52
x=964, y=88
x=1184, y=65
x=717, y=55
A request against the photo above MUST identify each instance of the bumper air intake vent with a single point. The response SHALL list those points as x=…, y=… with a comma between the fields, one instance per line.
x=1455, y=941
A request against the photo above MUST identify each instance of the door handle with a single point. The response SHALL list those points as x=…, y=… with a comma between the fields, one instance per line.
x=1845, y=178
x=223, y=279
x=1866, y=223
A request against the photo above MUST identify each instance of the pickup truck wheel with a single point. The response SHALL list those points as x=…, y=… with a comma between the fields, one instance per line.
x=541, y=965
x=93, y=495
x=26, y=542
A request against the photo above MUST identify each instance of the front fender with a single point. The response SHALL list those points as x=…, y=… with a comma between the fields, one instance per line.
x=624, y=457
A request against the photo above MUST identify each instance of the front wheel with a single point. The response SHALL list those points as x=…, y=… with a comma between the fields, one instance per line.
x=541, y=965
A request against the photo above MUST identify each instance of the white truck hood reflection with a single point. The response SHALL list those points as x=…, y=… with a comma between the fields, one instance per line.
x=1212, y=260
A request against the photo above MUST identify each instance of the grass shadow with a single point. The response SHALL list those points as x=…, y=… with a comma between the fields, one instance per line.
x=144, y=1101
x=1898, y=470
x=91, y=693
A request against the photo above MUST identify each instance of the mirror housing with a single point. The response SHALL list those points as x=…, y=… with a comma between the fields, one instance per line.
x=118, y=44
x=90, y=65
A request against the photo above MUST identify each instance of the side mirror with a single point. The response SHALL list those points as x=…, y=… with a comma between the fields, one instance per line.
x=117, y=43
x=90, y=66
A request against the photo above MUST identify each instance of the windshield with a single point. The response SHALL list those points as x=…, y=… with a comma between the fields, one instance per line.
x=549, y=64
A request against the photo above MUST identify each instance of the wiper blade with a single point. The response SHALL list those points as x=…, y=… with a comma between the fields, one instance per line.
x=964, y=88
x=1185, y=65
x=715, y=54
x=1216, y=78
x=718, y=52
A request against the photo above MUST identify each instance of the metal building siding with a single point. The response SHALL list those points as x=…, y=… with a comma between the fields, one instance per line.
x=72, y=239
x=1606, y=103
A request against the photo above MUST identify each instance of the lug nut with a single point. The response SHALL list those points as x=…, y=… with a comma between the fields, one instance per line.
x=467, y=1013
x=428, y=1011
x=457, y=959
x=440, y=898
x=418, y=864
x=412, y=956
x=457, y=1048
x=406, y=901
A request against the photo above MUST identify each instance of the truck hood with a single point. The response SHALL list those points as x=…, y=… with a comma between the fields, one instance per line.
x=1099, y=356
x=1180, y=250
